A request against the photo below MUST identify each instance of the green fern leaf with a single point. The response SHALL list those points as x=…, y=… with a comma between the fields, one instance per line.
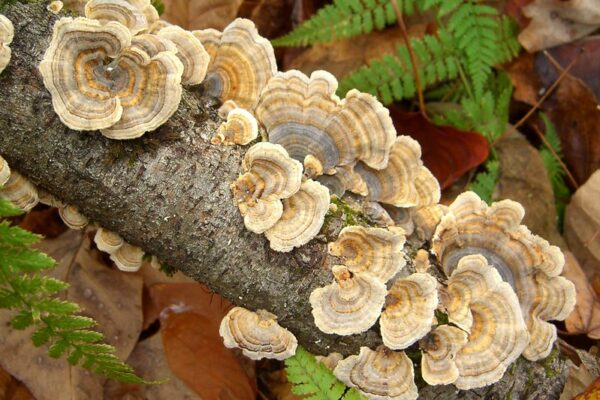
x=345, y=19
x=313, y=379
x=485, y=181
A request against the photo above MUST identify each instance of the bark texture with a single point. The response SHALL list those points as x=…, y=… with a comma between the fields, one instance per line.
x=168, y=192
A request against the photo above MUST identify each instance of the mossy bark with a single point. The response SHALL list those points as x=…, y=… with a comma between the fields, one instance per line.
x=167, y=192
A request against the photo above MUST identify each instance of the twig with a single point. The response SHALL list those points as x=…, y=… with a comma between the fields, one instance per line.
x=413, y=58
x=562, y=164
x=538, y=104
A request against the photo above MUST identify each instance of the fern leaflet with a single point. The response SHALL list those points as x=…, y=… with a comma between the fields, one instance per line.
x=485, y=181
x=31, y=295
x=314, y=380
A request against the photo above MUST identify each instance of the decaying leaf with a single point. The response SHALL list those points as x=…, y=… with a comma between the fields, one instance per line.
x=554, y=22
x=582, y=225
x=447, y=152
x=12, y=389
x=201, y=14
x=190, y=317
x=585, y=318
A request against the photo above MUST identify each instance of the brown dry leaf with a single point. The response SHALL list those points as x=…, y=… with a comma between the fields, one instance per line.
x=280, y=387
x=111, y=297
x=582, y=226
x=582, y=373
x=585, y=318
x=44, y=221
x=148, y=359
x=592, y=392
x=190, y=318
x=525, y=79
x=271, y=17
x=555, y=22
x=12, y=389
x=201, y=14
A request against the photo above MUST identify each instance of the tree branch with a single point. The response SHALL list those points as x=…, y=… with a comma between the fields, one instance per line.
x=167, y=192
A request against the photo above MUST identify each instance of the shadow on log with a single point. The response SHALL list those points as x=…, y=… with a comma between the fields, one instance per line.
x=168, y=192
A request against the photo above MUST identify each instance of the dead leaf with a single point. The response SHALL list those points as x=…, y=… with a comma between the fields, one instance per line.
x=148, y=359
x=514, y=8
x=523, y=178
x=271, y=17
x=592, y=392
x=201, y=14
x=582, y=226
x=280, y=387
x=44, y=221
x=190, y=317
x=111, y=297
x=447, y=152
x=585, y=318
x=525, y=79
x=12, y=389
x=554, y=22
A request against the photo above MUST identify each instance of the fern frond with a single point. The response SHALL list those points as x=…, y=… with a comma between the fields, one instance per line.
x=485, y=181
x=32, y=297
x=391, y=77
x=509, y=46
x=344, y=19
x=475, y=29
x=313, y=379
x=555, y=170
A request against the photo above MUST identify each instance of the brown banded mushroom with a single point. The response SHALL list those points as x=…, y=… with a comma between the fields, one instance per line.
x=20, y=191
x=377, y=213
x=240, y=128
x=306, y=117
x=49, y=199
x=72, y=217
x=380, y=374
x=119, y=11
x=404, y=182
x=258, y=334
x=98, y=82
x=527, y=262
x=55, y=6
x=440, y=347
x=330, y=360
x=7, y=32
x=373, y=250
x=478, y=301
x=270, y=175
x=107, y=241
x=191, y=53
x=409, y=310
x=147, y=9
x=4, y=171
x=351, y=304
x=241, y=63
x=302, y=218
x=421, y=261
x=128, y=258
x=426, y=219
x=402, y=217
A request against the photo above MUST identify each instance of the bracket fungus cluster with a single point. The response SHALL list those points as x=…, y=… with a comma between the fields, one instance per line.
x=258, y=334
x=527, y=262
x=7, y=32
x=240, y=128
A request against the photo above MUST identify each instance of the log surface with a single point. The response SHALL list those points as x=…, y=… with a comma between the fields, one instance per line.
x=168, y=192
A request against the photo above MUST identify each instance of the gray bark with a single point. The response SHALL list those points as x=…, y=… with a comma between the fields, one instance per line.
x=168, y=192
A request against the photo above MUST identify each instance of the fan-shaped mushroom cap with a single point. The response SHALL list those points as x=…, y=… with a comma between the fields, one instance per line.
x=119, y=11
x=7, y=31
x=146, y=7
x=262, y=215
x=4, y=171
x=72, y=217
x=478, y=301
x=331, y=360
x=373, y=250
x=527, y=262
x=440, y=347
x=153, y=44
x=20, y=191
x=351, y=304
x=128, y=257
x=240, y=128
x=377, y=213
x=427, y=218
x=107, y=241
x=55, y=6
x=48, y=199
x=404, y=182
x=191, y=53
x=380, y=374
x=343, y=178
x=97, y=82
x=402, y=217
x=409, y=310
x=306, y=117
x=258, y=334
x=242, y=62
x=421, y=260
x=302, y=218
